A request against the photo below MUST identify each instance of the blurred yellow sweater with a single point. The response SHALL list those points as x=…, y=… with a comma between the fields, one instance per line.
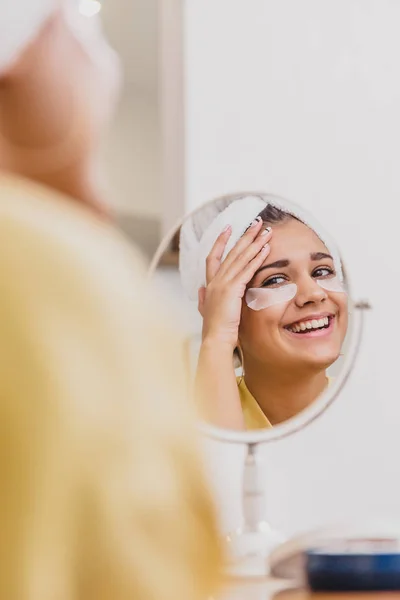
x=103, y=494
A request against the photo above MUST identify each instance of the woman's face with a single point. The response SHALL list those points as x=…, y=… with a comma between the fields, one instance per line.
x=297, y=256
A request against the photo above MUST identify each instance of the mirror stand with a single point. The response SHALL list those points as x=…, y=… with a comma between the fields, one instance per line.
x=250, y=546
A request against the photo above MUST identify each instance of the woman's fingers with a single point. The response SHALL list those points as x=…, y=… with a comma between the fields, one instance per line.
x=242, y=254
x=244, y=242
x=248, y=254
x=213, y=262
x=247, y=274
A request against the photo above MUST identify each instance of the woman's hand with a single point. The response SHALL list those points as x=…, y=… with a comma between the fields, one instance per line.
x=220, y=303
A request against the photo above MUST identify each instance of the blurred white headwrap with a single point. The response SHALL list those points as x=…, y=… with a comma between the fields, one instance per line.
x=22, y=20
x=20, y=23
x=200, y=231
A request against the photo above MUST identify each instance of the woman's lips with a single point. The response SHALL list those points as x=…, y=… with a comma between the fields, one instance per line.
x=314, y=333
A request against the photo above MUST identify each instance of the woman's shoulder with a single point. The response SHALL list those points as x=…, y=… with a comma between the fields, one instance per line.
x=41, y=218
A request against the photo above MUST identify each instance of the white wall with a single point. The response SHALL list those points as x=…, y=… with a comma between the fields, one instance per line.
x=303, y=99
x=132, y=155
x=170, y=86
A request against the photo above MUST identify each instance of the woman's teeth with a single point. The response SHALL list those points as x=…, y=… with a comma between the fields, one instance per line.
x=309, y=325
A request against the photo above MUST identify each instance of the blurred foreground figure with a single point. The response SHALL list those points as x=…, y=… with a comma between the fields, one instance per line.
x=103, y=493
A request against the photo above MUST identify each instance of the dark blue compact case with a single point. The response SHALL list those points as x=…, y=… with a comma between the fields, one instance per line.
x=352, y=571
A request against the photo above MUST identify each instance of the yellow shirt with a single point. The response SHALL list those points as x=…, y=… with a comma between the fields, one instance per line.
x=92, y=380
x=254, y=417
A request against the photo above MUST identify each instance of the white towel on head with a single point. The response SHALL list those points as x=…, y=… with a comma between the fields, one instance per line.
x=22, y=20
x=20, y=23
x=195, y=244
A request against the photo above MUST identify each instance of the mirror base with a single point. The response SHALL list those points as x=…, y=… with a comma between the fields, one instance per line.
x=249, y=550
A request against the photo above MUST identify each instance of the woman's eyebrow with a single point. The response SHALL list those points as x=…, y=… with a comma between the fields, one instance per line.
x=281, y=264
x=320, y=256
x=278, y=264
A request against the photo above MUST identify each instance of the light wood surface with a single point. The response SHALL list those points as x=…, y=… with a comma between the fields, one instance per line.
x=274, y=589
x=306, y=595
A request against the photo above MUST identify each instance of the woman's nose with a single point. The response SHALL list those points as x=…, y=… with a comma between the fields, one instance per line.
x=309, y=292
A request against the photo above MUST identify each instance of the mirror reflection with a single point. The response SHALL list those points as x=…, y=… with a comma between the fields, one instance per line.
x=265, y=300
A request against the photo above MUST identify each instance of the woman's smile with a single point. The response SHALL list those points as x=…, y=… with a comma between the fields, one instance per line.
x=313, y=326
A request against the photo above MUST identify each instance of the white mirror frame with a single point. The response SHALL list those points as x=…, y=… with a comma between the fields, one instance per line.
x=319, y=406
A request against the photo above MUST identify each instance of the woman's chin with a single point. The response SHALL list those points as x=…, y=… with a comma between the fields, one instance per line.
x=323, y=359
x=312, y=356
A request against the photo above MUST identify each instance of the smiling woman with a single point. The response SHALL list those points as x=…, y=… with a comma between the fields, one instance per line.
x=270, y=290
x=293, y=323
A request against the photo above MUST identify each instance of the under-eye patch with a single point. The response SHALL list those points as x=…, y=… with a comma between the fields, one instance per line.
x=260, y=298
x=333, y=284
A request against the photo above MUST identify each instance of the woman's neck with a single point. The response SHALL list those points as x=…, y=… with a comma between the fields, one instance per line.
x=281, y=398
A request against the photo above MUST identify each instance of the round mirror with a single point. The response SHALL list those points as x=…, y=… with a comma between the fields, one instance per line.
x=264, y=301
x=271, y=334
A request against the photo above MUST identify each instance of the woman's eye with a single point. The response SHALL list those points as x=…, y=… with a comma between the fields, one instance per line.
x=274, y=281
x=322, y=272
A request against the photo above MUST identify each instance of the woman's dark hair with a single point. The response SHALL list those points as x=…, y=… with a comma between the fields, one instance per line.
x=270, y=214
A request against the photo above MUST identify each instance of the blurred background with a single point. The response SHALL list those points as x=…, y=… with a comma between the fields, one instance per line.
x=132, y=152
x=143, y=155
